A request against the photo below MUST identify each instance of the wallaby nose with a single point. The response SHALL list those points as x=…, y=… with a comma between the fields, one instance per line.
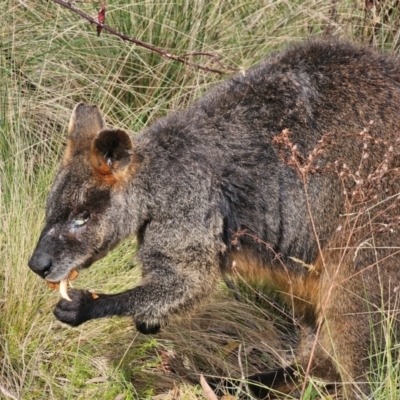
x=40, y=263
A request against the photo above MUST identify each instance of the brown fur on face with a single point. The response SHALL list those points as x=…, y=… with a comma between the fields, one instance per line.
x=110, y=150
x=111, y=156
x=291, y=171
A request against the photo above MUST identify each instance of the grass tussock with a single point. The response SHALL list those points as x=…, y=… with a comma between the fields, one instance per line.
x=49, y=60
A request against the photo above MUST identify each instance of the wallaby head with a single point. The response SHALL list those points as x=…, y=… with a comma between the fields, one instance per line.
x=80, y=224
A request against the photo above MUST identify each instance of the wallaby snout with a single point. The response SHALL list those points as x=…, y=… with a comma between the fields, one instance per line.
x=40, y=263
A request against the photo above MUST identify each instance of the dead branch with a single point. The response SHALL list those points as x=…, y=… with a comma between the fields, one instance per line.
x=180, y=58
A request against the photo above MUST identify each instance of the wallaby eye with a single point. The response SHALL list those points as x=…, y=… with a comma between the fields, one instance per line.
x=79, y=222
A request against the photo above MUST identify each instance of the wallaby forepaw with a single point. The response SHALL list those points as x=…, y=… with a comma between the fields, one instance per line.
x=77, y=310
x=147, y=329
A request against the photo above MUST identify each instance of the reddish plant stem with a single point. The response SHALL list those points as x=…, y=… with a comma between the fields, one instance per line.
x=182, y=59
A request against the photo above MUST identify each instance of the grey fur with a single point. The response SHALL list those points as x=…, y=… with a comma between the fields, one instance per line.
x=207, y=186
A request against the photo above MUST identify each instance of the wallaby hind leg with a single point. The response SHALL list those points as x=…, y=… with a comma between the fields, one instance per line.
x=341, y=344
x=348, y=321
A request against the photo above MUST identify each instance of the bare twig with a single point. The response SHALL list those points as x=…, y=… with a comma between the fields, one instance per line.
x=180, y=58
x=242, y=375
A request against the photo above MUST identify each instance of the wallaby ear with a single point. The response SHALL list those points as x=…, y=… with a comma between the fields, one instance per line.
x=85, y=123
x=112, y=152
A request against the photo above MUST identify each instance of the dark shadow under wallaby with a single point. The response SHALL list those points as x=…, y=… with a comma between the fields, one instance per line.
x=288, y=172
